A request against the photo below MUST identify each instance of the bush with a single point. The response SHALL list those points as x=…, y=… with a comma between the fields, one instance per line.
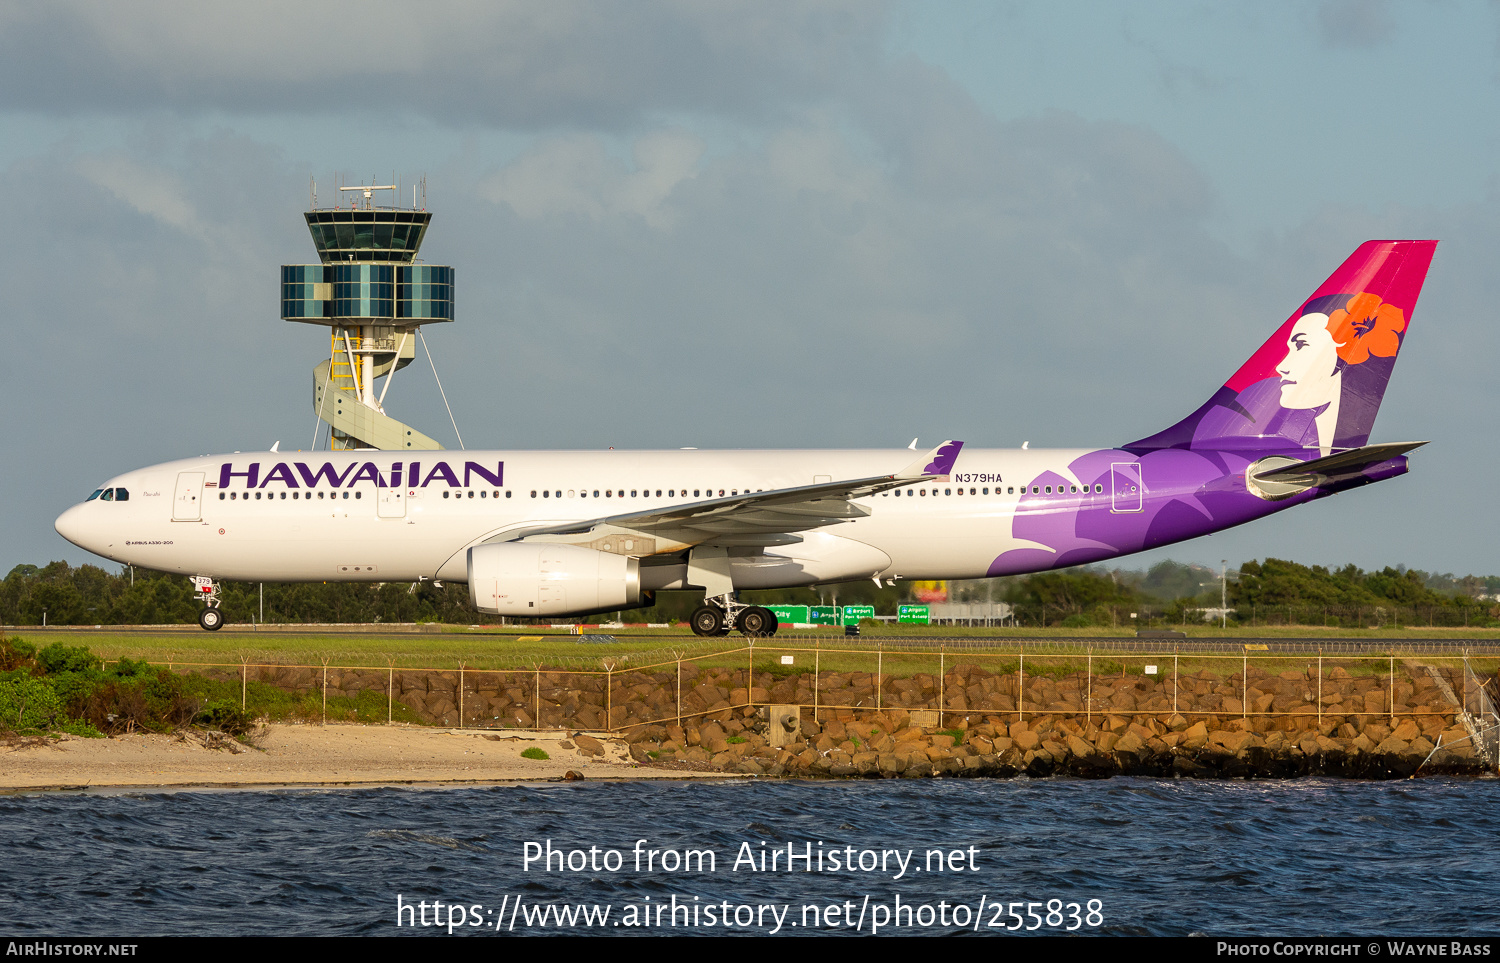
x=57, y=658
x=29, y=703
x=226, y=716
x=535, y=753
x=16, y=654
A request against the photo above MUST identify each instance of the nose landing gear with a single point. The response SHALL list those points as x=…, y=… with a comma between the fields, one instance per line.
x=211, y=618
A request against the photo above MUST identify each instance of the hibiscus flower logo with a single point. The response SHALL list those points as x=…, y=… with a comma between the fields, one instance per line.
x=1365, y=326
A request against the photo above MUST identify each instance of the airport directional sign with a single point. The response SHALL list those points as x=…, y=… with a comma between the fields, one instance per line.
x=825, y=615
x=853, y=613
x=914, y=614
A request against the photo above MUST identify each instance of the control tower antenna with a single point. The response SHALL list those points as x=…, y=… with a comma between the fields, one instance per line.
x=373, y=296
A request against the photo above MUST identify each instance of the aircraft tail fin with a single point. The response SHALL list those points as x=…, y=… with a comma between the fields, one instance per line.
x=1318, y=381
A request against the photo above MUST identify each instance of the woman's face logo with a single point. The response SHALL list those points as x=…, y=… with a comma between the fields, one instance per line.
x=1309, y=372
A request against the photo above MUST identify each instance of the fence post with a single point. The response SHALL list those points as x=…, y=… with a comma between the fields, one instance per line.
x=1320, y=689
x=1021, y=686
x=537, y=696
x=325, y=693
x=817, y=671
x=1244, y=685
x=750, y=677
x=879, y=672
x=942, y=680
x=460, y=694
x=1392, y=705
x=679, y=690
x=1176, y=680
x=390, y=692
x=1088, y=699
x=609, y=696
x=244, y=676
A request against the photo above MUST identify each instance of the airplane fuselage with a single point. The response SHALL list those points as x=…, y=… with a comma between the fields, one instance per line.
x=405, y=516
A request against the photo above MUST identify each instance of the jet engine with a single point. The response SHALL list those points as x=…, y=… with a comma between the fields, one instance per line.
x=522, y=579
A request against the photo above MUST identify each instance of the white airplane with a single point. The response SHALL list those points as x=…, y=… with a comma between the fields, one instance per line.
x=551, y=534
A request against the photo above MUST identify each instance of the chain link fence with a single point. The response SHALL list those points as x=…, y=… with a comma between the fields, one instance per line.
x=1300, y=686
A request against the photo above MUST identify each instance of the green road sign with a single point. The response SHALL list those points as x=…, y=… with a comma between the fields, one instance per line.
x=853, y=613
x=789, y=614
x=824, y=615
x=916, y=614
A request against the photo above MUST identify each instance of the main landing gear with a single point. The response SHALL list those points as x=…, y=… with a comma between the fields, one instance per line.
x=722, y=613
x=211, y=618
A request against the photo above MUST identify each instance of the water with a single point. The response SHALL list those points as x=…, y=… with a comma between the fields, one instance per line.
x=1163, y=857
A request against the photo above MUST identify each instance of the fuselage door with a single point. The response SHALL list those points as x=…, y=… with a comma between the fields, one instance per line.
x=1125, y=485
x=187, y=501
x=391, y=503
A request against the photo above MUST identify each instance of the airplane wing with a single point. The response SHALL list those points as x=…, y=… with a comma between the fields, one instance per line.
x=754, y=518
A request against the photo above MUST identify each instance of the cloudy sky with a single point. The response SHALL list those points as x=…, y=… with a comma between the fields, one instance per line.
x=752, y=224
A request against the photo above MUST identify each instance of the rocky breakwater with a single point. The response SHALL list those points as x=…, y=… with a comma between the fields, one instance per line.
x=973, y=720
x=1003, y=724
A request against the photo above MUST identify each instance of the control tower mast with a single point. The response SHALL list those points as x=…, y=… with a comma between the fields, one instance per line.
x=373, y=295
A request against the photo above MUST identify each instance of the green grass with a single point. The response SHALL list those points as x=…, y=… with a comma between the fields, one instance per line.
x=488, y=650
x=535, y=752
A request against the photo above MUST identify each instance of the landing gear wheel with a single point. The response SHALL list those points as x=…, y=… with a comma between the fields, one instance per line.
x=211, y=618
x=775, y=623
x=756, y=622
x=707, y=620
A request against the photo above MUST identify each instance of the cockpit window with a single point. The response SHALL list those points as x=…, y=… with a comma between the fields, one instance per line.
x=122, y=495
x=108, y=496
x=96, y=494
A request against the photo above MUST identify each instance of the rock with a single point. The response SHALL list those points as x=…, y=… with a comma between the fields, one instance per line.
x=1407, y=730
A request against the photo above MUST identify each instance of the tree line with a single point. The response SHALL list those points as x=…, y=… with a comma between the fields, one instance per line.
x=1260, y=592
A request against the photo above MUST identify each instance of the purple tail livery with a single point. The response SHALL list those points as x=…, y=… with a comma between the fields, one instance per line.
x=1290, y=425
x=1317, y=382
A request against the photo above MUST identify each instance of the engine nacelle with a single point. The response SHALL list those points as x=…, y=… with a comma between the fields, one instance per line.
x=525, y=579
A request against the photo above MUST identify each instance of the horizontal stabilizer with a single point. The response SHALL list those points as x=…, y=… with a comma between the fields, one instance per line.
x=1344, y=463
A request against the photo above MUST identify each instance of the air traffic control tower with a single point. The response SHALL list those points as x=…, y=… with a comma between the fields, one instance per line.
x=373, y=296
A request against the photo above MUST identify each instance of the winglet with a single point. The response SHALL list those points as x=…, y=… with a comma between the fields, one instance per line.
x=939, y=461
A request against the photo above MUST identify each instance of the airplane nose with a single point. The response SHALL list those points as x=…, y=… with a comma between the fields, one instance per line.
x=70, y=525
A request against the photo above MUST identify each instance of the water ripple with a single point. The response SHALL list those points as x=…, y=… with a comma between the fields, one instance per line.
x=1166, y=857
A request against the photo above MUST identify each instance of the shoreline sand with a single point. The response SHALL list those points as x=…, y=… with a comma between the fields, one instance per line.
x=314, y=756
